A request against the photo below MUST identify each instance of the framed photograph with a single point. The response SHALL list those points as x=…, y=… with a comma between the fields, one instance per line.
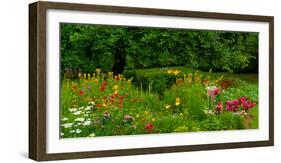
x=111, y=81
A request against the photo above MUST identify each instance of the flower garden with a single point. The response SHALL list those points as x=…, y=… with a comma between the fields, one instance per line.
x=153, y=101
x=129, y=80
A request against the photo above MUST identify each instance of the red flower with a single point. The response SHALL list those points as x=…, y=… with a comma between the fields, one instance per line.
x=213, y=91
x=149, y=127
x=82, y=92
x=235, y=102
x=247, y=104
x=232, y=105
x=219, y=106
x=242, y=99
x=216, y=91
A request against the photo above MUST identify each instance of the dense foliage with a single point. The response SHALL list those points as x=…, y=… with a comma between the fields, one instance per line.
x=115, y=48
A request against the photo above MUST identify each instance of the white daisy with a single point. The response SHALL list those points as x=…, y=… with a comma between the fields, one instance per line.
x=81, y=119
x=92, y=102
x=64, y=119
x=72, y=109
x=88, y=108
x=87, y=123
x=92, y=135
x=77, y=112
x=78, y=131
x=67, y=125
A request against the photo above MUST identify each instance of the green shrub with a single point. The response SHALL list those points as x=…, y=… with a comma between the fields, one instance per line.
x=231, y=121
x=169, y=123
x=156, y=82
x=225, y=121
x=197, y=101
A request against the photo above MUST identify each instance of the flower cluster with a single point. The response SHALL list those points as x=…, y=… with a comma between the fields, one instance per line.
x=175, y=72
x=247, y=104
x=242, y=103
x=232, y=105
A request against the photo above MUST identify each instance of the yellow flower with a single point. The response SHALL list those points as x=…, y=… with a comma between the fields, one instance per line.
x=170, y=71
x=153, y=119
x=146, y=112
x=137, y=116
x=167, y=106
x=85, y=76
x=115, y=92
x=115, y=87
x=129, y=81
x=176, y=72
x=178, y=101
x=110, y=75
x=89, y=76
x=98, y=70
x=79, y=75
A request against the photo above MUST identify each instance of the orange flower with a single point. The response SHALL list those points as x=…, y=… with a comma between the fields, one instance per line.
x=99, y=105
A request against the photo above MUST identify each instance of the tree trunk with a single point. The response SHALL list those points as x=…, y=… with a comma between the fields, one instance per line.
x=119, y=55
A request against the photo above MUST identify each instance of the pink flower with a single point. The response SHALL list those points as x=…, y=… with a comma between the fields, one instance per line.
x=228, y=105
x=235, y=102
